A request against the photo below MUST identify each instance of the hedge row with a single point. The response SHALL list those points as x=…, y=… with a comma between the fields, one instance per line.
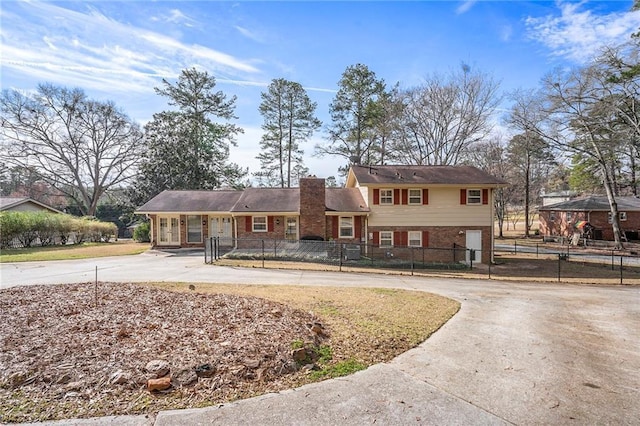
x=28, y=228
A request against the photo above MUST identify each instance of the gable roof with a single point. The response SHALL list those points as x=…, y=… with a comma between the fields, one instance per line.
x=183, y=201
x=345, y=200
x=595, y=203
x=250, y=200
x=431, y=175
x=268, y=200
x=10, y=203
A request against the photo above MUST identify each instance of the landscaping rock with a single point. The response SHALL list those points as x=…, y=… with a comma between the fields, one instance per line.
x=205, y=370
x=299, y=354
x=185, y=377
x=157, y=367
x=160, y=384
x=118, y=378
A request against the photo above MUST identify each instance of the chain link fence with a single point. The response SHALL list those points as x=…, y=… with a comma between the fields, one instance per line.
x=513, y=260
x=340, y=254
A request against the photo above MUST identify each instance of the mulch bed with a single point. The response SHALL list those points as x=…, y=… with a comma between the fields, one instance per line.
x=83, y=350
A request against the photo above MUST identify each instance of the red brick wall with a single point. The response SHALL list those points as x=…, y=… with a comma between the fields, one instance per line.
x=600, y=220
x=444, y=237
x=275, y=230
x=312, y=208
x=333, y=229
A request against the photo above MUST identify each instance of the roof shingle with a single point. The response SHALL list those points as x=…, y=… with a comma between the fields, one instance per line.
x=433, y=175
x=191, y=201
x=595, y=203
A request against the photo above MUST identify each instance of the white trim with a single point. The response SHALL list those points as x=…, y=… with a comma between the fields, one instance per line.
x=479, y=197
x=419, y=238
x=420, y=193
x=380, y=197
x=253, y=224
x=350, y=227
x=380, y=238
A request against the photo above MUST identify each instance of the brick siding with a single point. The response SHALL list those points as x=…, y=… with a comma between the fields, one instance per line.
x=312, y=208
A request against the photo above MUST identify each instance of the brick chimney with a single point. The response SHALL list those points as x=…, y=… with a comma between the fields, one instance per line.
x=312, y=207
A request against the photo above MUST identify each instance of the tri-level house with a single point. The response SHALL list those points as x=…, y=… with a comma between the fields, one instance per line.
x=381, y=206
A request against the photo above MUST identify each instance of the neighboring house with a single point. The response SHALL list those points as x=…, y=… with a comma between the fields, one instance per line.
x=557, y=197
x=563, y=219
x=387, y=206
x=24, y=204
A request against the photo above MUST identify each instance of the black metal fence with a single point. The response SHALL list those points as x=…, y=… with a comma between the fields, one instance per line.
x=602, y=255
x=340, y=253
x=611, y=264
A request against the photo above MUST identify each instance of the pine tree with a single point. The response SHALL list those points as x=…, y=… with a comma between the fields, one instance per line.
x=289, y=120
x=185, y=148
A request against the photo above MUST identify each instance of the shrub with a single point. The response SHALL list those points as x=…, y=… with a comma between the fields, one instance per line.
x=10, y=228
x=142, y=233
x=50, y=228
x=46, y=226
x=65, y=228
x=28, y=228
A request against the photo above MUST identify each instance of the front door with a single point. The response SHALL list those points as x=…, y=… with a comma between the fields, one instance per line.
x=168, y=230
x=474, y=241
x=221, y=227
x=291, y=229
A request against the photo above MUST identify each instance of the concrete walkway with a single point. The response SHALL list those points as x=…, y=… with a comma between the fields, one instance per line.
x=515, y=353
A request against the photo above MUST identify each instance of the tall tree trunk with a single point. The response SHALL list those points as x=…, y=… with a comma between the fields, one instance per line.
x=634, y=180
x=615, y=220
x=527, y=184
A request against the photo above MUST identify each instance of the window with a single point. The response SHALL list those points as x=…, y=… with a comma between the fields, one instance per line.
x=415, y=196
x=415, y=238
x=474, y=196
x=194, y=229
x=259, y=224
x=386, y=239
x=386, y=196
x=552, y=216
x=569, y=216
x=622, y=215
x=346, y=227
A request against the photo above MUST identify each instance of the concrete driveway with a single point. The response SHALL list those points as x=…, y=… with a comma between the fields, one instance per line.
x=515, y=353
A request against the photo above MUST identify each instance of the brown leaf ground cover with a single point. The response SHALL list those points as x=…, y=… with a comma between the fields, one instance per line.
x=80, y=350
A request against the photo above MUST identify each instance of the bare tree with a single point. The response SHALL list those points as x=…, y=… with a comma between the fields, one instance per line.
x=491, y=156
x=445, y=116
x=530, y=159
x=573, y=116
x=79, y=146
x=620, y=66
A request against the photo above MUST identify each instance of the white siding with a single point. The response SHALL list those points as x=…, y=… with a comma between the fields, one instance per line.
x=364, y=190
x=444, y=209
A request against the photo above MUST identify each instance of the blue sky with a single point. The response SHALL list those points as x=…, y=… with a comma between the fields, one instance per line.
x=120, y=50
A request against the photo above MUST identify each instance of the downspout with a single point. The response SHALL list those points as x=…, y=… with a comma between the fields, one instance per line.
x=366, y=234
x=493, y=224
x=235, y=231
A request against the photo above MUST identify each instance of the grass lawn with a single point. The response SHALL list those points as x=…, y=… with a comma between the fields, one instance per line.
x=80, y=251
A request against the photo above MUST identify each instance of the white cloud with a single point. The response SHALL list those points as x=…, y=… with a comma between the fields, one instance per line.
x=249, y=34
x=505, y=32
x=46, y=42
x=465, y=6
x=176, y=16
x=579, y=34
